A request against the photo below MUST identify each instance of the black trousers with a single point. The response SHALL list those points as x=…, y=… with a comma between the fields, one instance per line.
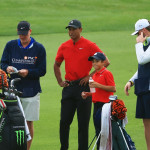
x=70, y=103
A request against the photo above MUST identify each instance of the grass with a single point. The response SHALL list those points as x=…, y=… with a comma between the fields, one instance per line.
x=48, y=16
x=108, y=24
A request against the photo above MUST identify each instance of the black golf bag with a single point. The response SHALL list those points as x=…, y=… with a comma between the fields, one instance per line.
x=12, y=122
x=12, y=128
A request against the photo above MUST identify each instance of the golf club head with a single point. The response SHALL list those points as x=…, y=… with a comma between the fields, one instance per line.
x=12, y=83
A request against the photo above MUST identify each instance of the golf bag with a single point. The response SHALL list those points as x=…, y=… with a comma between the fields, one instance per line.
x=121, y=139
x=12, y=122
x=112, y=119
x=12, y=127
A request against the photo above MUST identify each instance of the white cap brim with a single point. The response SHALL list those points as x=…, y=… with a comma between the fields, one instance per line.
x=134, y=33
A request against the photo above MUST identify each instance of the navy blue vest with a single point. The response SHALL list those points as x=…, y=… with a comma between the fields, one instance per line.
x=142, y=84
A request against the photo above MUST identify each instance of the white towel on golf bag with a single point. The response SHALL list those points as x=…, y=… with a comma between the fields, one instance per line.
x=124, y=121
x=26, y=126
x=106, y=130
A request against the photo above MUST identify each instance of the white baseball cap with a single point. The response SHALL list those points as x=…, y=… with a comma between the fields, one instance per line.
x=140, y=24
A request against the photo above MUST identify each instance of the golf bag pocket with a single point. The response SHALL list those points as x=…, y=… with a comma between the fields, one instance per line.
x=4, y=133
x=129, y=141
x=141, y=86
x=15, y=116
x=18, y=137
x=13, y=135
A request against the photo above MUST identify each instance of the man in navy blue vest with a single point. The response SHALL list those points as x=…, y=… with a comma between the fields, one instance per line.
x=141, y=79
x=27, y=58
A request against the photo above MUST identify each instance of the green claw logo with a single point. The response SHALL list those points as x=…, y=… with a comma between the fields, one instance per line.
x=20, y=137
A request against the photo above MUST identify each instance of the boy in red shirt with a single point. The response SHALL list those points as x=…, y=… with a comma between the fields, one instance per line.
x=104, y=86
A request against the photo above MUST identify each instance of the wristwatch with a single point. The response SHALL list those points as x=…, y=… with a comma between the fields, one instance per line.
x=132, y=83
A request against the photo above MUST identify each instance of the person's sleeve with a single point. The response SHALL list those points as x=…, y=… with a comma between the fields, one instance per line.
x=143, y=57
x=135, y=76
x=40, y=69
x=110, y=79
x=59, y=56
x=94, y=48
x=5, y=57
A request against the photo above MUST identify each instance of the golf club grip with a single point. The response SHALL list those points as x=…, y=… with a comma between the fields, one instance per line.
x=14, y=81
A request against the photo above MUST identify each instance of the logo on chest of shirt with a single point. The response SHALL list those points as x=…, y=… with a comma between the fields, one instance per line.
x=26, y=60
x=80, y=48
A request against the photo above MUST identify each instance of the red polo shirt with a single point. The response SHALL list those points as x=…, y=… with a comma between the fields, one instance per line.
x=76, y=57
x=104, y=77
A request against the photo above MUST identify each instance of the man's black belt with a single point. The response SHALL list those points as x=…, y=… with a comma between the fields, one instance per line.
x=73, y=83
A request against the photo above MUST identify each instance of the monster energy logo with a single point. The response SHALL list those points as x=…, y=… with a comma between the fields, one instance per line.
x=20, y=137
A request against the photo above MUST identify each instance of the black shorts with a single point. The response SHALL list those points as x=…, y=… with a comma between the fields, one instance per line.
x=143, y=106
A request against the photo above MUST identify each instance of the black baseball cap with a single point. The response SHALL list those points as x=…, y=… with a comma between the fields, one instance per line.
x=97, y=56
x=23, y=28
x=74, y=23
